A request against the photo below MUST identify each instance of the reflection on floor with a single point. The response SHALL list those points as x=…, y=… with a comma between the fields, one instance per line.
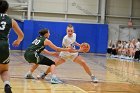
x=115, y=76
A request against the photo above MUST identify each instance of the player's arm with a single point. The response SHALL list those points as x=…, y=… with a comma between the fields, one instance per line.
x=50, y=53
x=51, y=45
x=77, y=44
x=64, y=43
x=46, y=52
x=18, y=31
x=74, y=50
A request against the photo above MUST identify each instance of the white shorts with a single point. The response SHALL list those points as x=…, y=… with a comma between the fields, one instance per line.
x=68, y=55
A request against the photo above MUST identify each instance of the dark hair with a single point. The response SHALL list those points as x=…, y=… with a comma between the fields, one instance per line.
x=42, y=32
x=3, y=6
x=70, y=25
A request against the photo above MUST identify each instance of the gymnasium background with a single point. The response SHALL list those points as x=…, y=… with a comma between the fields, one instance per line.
x=95, y=21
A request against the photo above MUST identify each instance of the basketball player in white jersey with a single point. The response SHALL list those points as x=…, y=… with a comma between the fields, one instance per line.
x=69, y=41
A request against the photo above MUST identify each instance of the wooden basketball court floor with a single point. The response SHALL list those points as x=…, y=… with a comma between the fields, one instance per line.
x=114, y=76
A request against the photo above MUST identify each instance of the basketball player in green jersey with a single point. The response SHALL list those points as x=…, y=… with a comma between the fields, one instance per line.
x=68, y=41
x=6, y=23
x=34, y=52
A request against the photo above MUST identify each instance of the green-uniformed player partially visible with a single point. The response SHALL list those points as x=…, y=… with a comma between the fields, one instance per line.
x=33, y=54
x=69, y=40
x=6, y=23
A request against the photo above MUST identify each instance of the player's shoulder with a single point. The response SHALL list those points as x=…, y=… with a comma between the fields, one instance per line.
x=4, y=16
x=47, y=42
x=65, y=37
x=74, y=34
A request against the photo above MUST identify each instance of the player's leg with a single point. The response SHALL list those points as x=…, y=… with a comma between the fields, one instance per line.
x=29, y=75
x=82, y=62
x=57, y=61
x=32, y=58
x=46, y=61
x=4, y=60
x=5, y=77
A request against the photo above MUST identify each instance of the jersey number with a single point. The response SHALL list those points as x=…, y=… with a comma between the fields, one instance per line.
x=36, y=42
x=2, y=25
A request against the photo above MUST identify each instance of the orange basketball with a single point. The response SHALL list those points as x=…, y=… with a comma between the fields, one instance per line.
x=85, y=47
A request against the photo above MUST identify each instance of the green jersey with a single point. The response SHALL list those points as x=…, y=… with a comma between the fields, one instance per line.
x=5, y=26
x=32, y=54
x=37, y=45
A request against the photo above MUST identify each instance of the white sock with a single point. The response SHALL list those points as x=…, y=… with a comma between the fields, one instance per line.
x=92, y=75
x=29, y=72
x=6, y=82
x=53, y=76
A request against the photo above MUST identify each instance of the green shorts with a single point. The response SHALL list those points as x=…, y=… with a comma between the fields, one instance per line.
x=37, y=58
x=4, y=52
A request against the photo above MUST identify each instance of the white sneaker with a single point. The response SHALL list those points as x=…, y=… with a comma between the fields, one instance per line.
x=29, y=76
x=94, y=79
x=55, y=80
x=41, y=76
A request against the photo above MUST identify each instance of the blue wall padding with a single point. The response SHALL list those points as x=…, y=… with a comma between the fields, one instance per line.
x=102, y=39
x=94, y=34
x=28, y=33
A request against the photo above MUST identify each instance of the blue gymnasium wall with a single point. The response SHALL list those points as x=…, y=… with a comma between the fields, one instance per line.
x=95, y=34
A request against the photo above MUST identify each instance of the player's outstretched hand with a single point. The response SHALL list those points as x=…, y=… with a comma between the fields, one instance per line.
x=16, y=43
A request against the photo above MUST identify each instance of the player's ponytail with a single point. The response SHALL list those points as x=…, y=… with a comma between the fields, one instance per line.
x=42, y=32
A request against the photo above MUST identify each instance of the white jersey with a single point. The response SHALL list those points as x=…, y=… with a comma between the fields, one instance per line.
x=127, y=45
x=137, y=46
x=69, y=42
